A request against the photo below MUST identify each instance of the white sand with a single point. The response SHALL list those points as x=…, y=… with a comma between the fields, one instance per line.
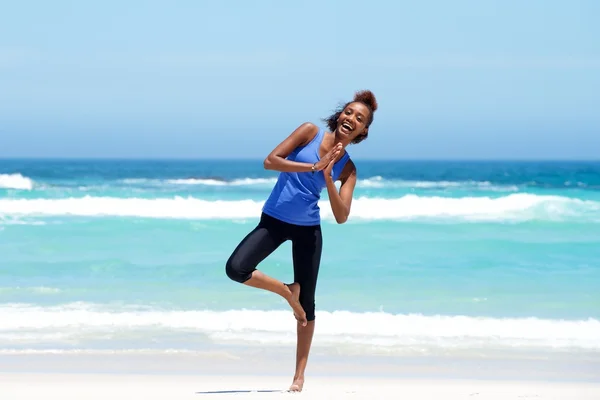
x=266, y=374
x=15, y=386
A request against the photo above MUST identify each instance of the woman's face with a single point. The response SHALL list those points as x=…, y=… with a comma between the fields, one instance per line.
x=353, y=121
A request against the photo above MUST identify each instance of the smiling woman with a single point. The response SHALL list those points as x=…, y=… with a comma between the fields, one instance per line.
x=309, y=160
x=362, y=99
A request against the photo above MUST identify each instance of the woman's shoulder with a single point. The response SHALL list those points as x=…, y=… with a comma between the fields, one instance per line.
x=309, y=128
x=307, y=131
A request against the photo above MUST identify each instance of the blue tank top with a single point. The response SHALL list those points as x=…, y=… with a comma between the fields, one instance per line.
x=294, y=198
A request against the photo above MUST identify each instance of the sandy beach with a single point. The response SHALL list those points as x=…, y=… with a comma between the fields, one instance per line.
x=110, y=386
x=256, y=375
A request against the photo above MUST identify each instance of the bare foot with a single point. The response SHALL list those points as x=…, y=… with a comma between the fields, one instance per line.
x=297, y=385
x=294, y=301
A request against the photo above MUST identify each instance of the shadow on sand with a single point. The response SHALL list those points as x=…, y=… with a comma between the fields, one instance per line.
x=241, y=391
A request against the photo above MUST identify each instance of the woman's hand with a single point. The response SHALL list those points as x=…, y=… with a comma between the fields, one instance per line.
x=329, y=168
x=328, y=159
x=342, y=201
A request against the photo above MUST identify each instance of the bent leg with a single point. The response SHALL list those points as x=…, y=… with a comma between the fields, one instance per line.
x=253, y=249
x=307, y=249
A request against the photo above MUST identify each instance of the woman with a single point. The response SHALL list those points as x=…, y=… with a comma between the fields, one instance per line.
x=309, y=161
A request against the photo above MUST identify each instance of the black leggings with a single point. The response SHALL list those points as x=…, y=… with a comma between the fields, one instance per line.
x=269, y=234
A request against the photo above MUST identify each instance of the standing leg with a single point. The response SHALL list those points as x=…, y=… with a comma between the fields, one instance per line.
x=254, y=248
x=307, y=248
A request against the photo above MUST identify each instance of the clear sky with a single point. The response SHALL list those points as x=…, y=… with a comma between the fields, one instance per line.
x=454, y=79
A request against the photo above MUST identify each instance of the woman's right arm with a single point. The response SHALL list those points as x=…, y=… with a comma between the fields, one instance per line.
x=276, y=160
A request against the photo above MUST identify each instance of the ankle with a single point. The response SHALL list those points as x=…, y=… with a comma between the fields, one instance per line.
x=286, y=292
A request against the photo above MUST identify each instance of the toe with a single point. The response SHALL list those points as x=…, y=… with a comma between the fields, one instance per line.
x=295, y=388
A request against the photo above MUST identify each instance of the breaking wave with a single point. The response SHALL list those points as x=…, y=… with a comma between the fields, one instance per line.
x=513, y=207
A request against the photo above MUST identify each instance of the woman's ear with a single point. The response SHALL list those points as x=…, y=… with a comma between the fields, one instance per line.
x=361, y=137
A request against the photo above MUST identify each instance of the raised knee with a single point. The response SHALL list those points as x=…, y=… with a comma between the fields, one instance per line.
x=234, y=271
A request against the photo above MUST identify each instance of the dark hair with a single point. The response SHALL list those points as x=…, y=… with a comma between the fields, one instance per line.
x=365, y=97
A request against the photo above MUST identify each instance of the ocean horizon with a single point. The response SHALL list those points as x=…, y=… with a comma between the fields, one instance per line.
x=438, y=257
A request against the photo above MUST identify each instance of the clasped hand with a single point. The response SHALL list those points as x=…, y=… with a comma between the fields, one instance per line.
x=327, y=162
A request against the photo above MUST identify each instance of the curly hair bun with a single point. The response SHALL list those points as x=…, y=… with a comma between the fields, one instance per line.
x=367, y=97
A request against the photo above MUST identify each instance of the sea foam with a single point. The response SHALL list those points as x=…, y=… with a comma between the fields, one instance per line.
x=513, y=207
x=15, y=181
x=28, y=324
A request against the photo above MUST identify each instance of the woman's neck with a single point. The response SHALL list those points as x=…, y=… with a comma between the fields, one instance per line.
x=337, y=139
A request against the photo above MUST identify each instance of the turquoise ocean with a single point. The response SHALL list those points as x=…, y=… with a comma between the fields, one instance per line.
x=437, y=257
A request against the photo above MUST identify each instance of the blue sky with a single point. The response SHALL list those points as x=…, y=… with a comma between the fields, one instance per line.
x=460, y=79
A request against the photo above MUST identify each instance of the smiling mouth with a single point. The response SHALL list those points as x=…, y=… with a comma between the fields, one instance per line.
x=347, y=126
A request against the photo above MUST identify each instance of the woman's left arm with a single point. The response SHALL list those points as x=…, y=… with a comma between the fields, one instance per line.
x=341, y=202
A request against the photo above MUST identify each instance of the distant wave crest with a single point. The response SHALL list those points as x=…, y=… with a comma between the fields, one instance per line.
x=209, y=181
x=375, y=182
x=15, y=181
x=379, y=182
x=513, y=207
x=21, y=182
